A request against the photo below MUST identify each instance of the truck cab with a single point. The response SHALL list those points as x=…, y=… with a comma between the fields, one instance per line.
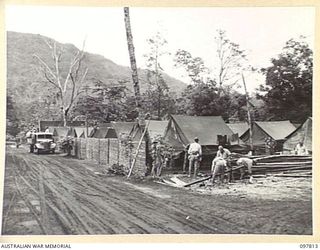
x=41, y=142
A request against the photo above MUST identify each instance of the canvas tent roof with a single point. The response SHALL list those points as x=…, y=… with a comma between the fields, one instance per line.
x=123, y=128
x=51, y=129
x=44, y=124
x=79, y=131
x=302, y=133
x=238, y=128
x=62, y=131
x=182, y=130
x=104, y=132
x=157, y=128
x=278, y=130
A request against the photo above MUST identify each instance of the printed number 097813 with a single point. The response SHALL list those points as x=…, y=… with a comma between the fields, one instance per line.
x=308, y=246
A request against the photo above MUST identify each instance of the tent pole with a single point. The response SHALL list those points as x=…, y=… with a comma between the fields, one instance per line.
x=249, y=116
x=185, y=160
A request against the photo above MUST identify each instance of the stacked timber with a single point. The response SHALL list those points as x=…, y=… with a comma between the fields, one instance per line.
x=284, y=166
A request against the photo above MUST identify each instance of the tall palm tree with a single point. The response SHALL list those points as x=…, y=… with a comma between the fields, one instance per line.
x=132, y=57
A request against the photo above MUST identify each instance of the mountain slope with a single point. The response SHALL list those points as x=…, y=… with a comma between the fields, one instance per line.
x=22, y=66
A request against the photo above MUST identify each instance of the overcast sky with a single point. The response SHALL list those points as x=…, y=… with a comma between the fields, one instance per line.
x=261, y=31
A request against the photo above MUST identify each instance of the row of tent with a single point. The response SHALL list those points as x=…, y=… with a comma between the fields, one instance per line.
x=182, y=130
x=106, y=130
x=179, y=131
x=286, y=134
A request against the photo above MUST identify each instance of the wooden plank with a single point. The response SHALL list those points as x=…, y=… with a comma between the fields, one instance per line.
x=293, y=176
x=178, y=181
x=170, y=183
x=282, y=158
x=198, y=181
x=284, y=163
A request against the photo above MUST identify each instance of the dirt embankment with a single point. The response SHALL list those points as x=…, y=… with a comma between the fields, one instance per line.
x=51, y=194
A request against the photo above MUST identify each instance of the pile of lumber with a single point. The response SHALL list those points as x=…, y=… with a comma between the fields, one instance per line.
x=284, y=166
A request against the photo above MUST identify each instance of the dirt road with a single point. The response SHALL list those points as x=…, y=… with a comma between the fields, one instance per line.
x=51, y=194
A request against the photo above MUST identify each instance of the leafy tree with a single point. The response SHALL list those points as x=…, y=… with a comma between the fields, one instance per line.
x=288, y=90
x=194, y=66
x=211, y=92
x=102, y=103
x=204, y=100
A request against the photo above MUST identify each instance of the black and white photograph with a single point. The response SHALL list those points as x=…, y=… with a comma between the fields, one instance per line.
x=135, y=120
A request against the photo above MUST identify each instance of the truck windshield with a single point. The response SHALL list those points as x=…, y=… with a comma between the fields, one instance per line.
x=44, y=136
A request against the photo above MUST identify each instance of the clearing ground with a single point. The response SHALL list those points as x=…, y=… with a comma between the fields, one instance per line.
x=56, y=195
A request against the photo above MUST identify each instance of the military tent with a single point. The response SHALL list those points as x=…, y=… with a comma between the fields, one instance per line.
x=212, y=131
x=44, y=124
x=302, y=133
x=62, y=132
x=103, y=132
x=123, y=129
x=157, y=128
x=239, y=128
x=81, y=132
x=277, y=130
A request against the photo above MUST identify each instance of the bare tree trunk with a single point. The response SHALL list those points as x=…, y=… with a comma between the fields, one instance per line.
x=70, y=86
x=132, y=57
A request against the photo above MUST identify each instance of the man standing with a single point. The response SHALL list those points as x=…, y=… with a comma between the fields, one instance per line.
x=195, y=153
x=158, y=159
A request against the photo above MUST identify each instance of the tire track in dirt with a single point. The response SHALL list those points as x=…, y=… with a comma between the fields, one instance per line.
x=130, y=212
x=47, y=221
x=71, y=199
x=135, y=200
x=123, y=217
x=112, y=205
x=177, y=212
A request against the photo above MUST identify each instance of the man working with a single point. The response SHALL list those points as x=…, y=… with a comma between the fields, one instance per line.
x=301, y=149
x=220, y=162
x=222, y=153
x=218, y=168
x=195, y=153
x=245, y=163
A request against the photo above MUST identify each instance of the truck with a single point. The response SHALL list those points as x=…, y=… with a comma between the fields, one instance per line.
x=41, y=142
